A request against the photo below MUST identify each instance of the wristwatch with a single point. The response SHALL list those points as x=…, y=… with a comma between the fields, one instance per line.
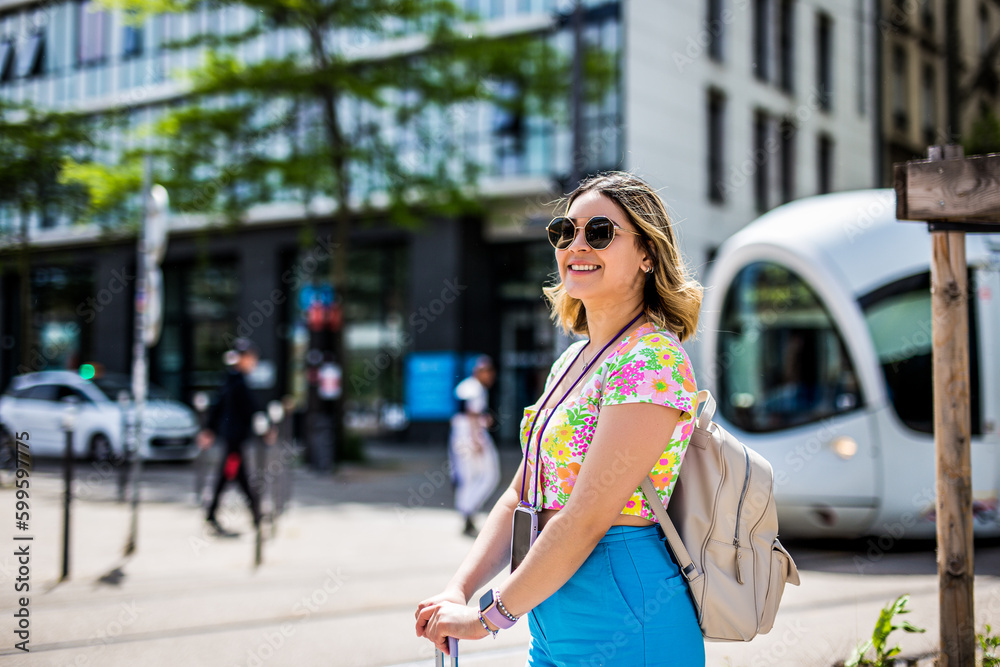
x=492, y=610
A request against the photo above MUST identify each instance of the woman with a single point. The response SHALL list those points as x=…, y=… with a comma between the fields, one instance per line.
x=473, y=455
x=598, y=585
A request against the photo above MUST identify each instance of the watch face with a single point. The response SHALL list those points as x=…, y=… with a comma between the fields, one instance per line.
x=486, y=601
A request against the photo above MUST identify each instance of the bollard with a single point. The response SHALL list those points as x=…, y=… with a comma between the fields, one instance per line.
x=287, y=454
x=124, y=403
x=68, y=424
x=203, y=461
x=260, y=428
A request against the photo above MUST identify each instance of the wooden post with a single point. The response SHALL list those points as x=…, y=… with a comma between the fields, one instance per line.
x=952, y=429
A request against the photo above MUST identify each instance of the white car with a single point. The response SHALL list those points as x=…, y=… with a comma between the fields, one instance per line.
x=35, y=403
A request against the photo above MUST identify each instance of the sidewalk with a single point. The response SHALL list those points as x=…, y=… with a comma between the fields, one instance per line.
x=341, y=578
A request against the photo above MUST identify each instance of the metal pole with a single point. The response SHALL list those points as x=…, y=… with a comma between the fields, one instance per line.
x=68, y=424
x=139, y=370
x=67, y=495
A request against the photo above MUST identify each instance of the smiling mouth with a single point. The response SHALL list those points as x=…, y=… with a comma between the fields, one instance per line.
x=583, y=268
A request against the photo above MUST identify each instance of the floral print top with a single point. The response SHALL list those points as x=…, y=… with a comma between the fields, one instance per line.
x=648, y=366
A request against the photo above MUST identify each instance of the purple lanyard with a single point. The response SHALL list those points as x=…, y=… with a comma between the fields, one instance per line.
x=552, y=410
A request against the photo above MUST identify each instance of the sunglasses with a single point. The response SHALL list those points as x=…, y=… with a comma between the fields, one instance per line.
x=598, y=232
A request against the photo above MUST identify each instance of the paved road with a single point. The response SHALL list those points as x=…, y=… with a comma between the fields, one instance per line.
x=344, y=570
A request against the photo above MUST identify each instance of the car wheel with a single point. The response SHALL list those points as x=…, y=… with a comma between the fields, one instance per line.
x=100, y=449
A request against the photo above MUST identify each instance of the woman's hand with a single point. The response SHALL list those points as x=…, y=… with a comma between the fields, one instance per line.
x=439, y=620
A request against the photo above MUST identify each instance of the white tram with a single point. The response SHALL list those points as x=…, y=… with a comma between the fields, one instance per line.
x=816, y=342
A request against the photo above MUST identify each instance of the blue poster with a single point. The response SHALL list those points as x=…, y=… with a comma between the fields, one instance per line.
x=430, y=384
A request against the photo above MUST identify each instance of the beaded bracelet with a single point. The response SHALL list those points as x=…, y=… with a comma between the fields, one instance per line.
x=503, y=610
x=483, y=621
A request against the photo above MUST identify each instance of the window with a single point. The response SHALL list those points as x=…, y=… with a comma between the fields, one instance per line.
x=927, y=15
x=782, y=361
x=761, y=39
x=30, y=60
x=930, y=105
x=509, y=130
x=900, y=93
x=824, y=164
x=40, y=392
x=6, y=60
x=786, y=45
x=132, y=41
x=898, y=316
x=761, y=160
x=787, y=143
x=65, y=392
x=716, y=26
x=824, y=60
x=91, y=36
x=716, y=143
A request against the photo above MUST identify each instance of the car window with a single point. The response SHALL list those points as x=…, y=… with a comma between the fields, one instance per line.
x=111, y=386
x=40, y=392
x=898, y=316
x=781, y=360
x=66, y=392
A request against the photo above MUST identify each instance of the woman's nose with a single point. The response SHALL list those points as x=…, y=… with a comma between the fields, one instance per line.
x=579, y=240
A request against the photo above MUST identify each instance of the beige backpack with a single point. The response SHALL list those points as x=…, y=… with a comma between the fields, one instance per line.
x=722, y=527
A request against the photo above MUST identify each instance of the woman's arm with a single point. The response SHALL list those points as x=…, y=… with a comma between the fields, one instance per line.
x=489, y=554
x=627, y=443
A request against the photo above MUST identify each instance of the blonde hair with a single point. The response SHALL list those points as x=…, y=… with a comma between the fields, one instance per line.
x=671, y=296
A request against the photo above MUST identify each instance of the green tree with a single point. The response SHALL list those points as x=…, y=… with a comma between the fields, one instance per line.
x=328, y=120
x=34, y=144
x=984, y=135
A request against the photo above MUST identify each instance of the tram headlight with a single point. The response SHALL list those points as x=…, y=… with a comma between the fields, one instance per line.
x=844, y=446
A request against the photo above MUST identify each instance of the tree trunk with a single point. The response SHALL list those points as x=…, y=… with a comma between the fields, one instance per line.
x=342, y=221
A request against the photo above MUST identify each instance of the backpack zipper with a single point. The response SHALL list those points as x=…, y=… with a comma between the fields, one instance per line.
x=739, y=513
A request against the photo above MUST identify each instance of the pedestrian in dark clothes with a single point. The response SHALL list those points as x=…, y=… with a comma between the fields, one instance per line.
x=231, y=420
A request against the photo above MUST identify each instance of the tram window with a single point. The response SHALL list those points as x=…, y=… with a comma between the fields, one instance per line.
x=899, y=320
x=781, y=360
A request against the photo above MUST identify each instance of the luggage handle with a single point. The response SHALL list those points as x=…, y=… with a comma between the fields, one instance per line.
x=440, y=660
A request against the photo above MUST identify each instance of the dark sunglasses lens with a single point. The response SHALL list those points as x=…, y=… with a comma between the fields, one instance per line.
x=561, y=232
x=599, y=232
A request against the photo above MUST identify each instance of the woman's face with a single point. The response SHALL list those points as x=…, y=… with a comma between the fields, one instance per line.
x=595, y=275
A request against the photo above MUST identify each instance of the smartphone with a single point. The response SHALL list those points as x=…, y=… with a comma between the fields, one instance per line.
x=522, y=535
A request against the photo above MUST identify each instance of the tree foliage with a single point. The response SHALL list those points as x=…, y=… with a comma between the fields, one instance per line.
x=369, y=110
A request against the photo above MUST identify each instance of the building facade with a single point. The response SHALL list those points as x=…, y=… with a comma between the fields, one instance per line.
x=931, y=98
x=731, y=107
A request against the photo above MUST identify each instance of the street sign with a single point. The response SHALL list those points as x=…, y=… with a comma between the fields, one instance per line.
x=155, y=229
x=964, y=190
x=152, y=314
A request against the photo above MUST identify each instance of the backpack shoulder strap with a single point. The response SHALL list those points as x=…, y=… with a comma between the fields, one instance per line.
x=703, y=421
x=669, y=531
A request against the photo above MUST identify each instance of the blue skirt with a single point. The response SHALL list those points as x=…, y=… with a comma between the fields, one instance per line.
x=627, y=605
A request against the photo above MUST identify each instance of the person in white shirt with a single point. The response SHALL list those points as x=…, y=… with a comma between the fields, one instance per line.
x=475, y=465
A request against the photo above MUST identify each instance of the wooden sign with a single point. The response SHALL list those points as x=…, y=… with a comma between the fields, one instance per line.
x=964, y=189
x=952, y=194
